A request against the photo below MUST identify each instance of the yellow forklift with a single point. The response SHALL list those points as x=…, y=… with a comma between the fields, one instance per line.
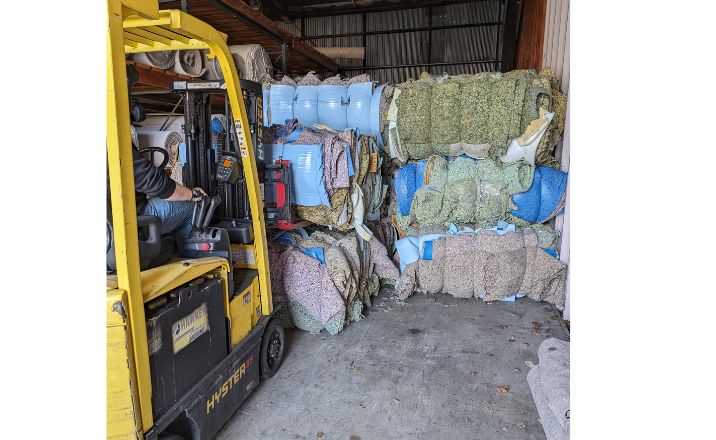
x=189, y=335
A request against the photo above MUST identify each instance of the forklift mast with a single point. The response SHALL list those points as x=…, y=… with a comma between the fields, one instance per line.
x=202, y=156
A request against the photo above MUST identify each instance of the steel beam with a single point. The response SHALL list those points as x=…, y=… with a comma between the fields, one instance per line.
x=348, y=8
x=399, y=66
x=400, y=31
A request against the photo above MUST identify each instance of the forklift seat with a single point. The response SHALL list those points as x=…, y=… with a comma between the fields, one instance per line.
x=154, y=249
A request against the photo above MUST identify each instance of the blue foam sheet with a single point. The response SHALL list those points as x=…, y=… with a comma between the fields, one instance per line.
x=407, y=251
x=425, y=239
x=537, y=203
x=358, y=108
x=307, y=185
x=331, y=108
x=554, y=184
x=281, y=103
x=552, y=252
x=305, y=105
x=528, y=202
x=405, y=187
x=316, y=253
x=428, y=251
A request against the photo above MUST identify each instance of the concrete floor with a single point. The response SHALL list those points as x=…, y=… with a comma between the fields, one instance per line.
x=402, y=389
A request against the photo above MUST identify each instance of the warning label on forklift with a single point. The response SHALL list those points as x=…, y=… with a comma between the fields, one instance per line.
x=186, y=330
x=242, y=140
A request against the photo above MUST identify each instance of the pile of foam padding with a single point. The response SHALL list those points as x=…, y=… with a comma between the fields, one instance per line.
x=464, y=190
x=336, y=177
x=493, y=264
x=357, y=103
x=324, y=278
x=510, y=116
x=549, y=383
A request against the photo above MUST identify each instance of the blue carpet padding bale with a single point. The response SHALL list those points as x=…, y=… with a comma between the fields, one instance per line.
x=281, y=103
x=307, y=185
x=331, y=106
x=305, y=105
x=537, y=204
x=375, y=121
x=358, y=108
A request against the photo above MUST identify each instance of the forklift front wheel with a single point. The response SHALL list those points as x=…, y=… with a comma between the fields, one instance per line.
x=271, y=349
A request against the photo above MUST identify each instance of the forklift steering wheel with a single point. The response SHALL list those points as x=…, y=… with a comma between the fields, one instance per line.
x=153, y=150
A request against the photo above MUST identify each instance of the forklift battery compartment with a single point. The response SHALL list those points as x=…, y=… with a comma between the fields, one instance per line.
x=187, y=338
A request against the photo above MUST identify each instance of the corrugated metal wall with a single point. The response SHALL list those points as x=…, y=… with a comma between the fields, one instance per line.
x=556, y=55
x=448, y=45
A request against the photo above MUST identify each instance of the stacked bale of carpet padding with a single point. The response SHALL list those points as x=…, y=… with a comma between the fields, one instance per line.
x=461, y=189
x=324, y=279
x=475, y=183
x=510, y=116
x=356, y=104
x=488, y=265
x=336, y=177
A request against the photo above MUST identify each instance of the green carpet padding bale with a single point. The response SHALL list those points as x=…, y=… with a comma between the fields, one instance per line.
x=463, y=190
x=476, y=115
x=445, y=115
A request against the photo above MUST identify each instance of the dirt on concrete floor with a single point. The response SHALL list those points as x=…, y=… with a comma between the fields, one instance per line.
x=431, y=367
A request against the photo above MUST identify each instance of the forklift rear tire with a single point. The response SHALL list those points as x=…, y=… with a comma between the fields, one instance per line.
x=271, y=349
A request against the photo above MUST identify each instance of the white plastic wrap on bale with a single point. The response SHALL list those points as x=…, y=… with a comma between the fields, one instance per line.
x=305, y=105
x=331, y=108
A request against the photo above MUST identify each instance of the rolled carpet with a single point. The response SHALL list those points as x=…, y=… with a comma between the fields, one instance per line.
x=163, y=59
x=189, y=62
